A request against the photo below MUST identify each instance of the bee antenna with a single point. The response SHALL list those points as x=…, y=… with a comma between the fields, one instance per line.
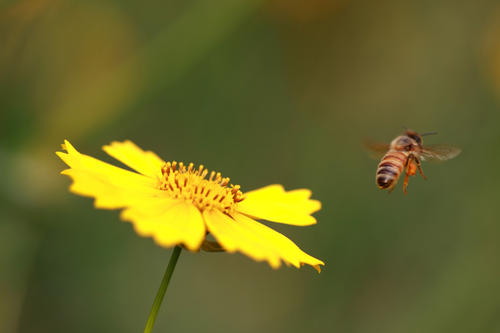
x=429, y=133
x=405, y=128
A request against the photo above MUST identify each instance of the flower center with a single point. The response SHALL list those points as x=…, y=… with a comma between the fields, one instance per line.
x=192, y=185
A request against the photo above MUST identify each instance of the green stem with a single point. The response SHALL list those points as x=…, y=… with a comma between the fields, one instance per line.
x=161, y=291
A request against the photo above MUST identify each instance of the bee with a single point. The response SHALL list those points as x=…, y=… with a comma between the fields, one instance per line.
x=405, y=153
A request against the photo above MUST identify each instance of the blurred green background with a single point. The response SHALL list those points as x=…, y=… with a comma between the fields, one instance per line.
x=271, y=91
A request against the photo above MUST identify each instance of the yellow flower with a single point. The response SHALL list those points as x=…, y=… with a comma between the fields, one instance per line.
x=177, y=204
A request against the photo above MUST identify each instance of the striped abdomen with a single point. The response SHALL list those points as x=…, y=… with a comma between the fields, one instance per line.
x=390, y=168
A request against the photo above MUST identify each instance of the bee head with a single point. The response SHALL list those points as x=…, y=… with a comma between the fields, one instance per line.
x=410, y=140
x=414, y=136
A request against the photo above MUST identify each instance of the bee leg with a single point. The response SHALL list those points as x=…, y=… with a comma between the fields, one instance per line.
x=405, y=183
x=407, y=173
x=419, y=166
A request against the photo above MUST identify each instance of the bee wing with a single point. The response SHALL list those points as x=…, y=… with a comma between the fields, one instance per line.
x=376, y=150
x=439, y=153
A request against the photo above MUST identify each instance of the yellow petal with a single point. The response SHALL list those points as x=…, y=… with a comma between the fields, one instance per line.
x=256, y=240
x=169, y=221
x=274, y=204
x=112, y=187
x=127, y=152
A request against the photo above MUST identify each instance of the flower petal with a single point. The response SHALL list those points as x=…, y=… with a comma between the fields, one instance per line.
x=169, y=221
x=274, y=204
x=127, y=152
x=256, y=240
x=112, y=187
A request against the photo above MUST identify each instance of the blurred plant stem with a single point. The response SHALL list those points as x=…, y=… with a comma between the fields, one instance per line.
x=163, y=288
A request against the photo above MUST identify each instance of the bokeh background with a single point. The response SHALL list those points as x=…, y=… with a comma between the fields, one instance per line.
x=270, y=91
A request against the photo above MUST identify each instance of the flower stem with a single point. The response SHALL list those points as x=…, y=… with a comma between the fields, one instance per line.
x=163, y=288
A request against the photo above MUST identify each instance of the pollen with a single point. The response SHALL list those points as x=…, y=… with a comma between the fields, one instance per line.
x=191, y=184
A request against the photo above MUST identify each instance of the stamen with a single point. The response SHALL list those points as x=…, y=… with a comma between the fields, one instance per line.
x=191, y=184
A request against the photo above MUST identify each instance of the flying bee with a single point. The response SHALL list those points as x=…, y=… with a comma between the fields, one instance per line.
x=405, y=153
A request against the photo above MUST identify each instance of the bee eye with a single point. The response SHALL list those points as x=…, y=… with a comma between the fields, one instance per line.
x=416, y=138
